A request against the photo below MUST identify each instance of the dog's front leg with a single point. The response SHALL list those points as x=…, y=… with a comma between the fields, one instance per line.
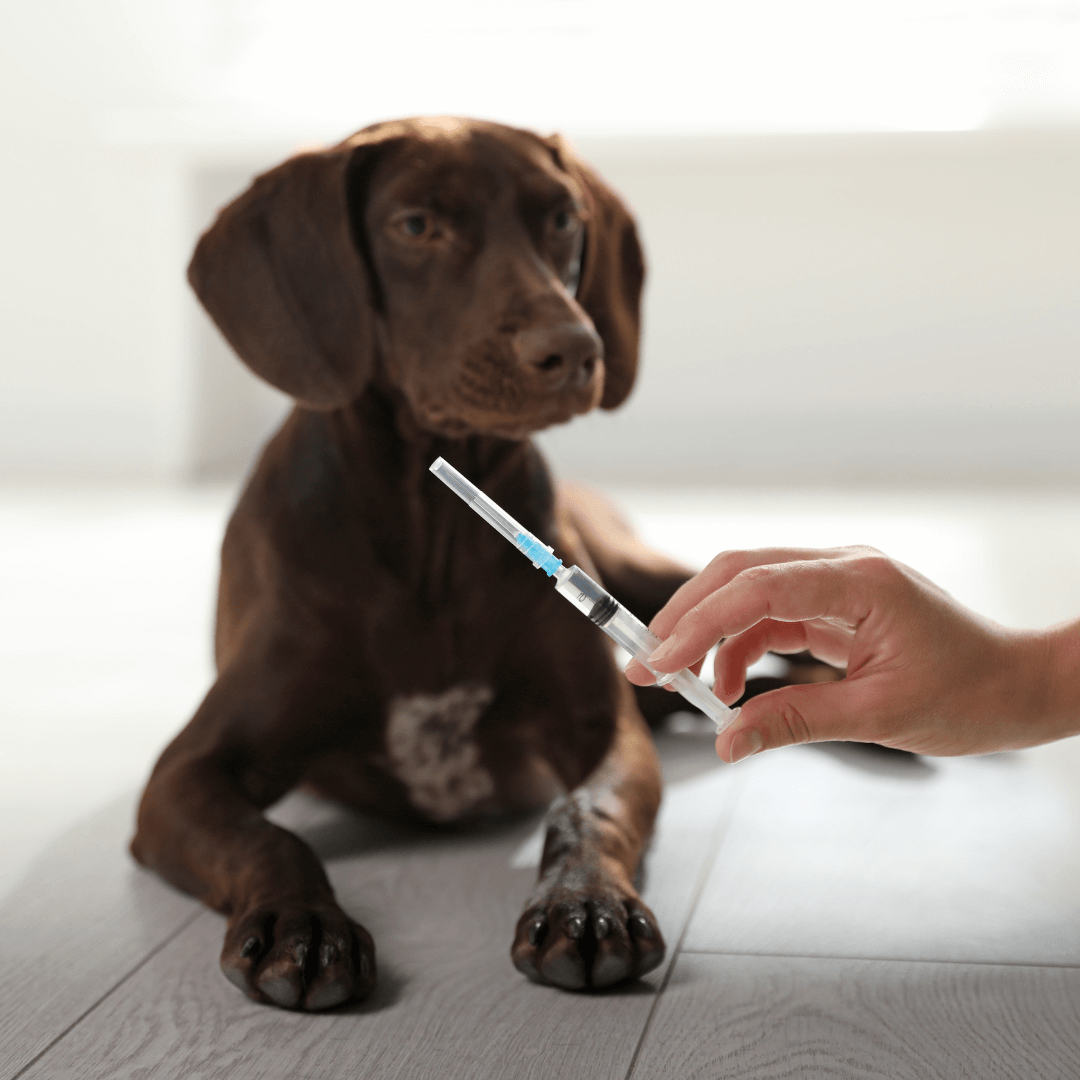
x=585, y=927
x=201, y=827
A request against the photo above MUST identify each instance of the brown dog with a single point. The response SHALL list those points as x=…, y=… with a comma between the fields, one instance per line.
x=426, y=288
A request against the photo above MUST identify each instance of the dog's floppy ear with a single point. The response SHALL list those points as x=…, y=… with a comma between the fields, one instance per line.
x=280, y=274
x=612, y=275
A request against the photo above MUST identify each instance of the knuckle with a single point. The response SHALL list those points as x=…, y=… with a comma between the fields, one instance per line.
x=868, y=569
x=858, y=551
x=727, y=563
x=874, y=564
x=756, y=573
x=759, y=578
x=793, y=726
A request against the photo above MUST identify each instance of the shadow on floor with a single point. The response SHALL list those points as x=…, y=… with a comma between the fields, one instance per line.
x=878, y=760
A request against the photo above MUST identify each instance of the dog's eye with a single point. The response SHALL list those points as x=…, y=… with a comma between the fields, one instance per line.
x=414, y=225
x=564, y=221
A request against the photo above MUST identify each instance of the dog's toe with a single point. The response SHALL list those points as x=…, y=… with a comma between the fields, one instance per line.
x=346, y=968
x=589, y=943
x=647, y=939
x=299, y=958
x=563, y=965
x=282, y=984
x=611, y=968
x=329, y=990
x=246, y=943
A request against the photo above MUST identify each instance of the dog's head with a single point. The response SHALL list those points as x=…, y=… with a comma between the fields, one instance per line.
x=485, y=272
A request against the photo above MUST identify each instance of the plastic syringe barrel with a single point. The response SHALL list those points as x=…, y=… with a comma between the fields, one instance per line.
x=486, y=507
x=637, y=639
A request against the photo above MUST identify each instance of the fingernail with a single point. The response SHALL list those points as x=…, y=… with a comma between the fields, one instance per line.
x=744, y=744
x=664, y=651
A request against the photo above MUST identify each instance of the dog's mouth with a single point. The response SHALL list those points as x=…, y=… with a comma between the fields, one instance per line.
x=508, y=408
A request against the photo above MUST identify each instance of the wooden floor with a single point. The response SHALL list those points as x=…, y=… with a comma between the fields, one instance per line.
x=831, y=911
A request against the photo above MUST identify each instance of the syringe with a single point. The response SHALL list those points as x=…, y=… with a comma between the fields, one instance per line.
x=587, y=596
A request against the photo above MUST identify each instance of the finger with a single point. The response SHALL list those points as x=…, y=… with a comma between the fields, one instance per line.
x=736, y=654
x=640, y=675
x=794, y=714
x=723, y=568
x=787, y=592
x=830, y=644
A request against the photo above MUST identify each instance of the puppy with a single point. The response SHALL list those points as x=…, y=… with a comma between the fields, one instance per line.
x=429, y=287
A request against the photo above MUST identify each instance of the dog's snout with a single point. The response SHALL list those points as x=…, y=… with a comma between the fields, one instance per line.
x=567, y=354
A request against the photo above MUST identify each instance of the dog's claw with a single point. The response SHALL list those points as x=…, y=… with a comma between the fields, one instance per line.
x=365, y=966
x=536, y=931
x=328, y=954
x=603, y=927
x=251, y=947
x=575, y=928
x=301, y=955
x=640, y=926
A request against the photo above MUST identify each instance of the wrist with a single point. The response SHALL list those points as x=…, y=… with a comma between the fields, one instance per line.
x=1040, y=683
x=1062, y=690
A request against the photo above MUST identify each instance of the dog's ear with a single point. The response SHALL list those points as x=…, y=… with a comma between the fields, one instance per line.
x=280, y=273
x=612, y=274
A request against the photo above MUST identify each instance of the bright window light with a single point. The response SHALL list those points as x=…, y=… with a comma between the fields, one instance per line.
x=635, y=66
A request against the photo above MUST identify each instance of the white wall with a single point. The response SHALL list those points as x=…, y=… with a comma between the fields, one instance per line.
x=88, y=260
x=901, y=306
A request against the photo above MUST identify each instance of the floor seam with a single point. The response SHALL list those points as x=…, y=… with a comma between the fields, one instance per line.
x=884, y=959
x=723, y=823
x=108, y=993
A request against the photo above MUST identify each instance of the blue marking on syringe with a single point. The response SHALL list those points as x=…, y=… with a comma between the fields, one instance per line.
x=541, y=556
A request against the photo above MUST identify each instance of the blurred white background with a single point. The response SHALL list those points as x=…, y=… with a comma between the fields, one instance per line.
x=863, y=228
x=861, y=217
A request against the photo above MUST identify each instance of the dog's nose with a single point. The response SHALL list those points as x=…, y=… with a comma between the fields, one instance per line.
x=566, y=354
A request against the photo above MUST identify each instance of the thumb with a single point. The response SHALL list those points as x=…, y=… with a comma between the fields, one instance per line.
x=813, y=712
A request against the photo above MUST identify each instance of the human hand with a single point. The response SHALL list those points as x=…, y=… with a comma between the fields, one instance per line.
x=923, y=672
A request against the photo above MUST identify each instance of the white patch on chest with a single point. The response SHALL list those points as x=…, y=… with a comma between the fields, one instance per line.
x=432, y=747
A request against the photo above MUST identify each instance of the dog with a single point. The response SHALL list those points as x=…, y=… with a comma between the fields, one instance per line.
x=428, y=287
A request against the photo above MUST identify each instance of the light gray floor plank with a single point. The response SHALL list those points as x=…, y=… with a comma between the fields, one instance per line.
x=741, y=1017
x=843, y=850
x=81, y=919
x=449, y=1004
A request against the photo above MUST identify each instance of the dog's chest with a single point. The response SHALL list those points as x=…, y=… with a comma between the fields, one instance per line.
x=433, y=750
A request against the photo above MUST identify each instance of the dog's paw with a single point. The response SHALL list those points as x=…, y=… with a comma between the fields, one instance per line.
x=299, y=956
x=587, y=938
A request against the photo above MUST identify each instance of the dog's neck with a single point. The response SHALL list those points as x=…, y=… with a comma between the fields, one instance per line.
x=389, y=457
x=382, y=436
